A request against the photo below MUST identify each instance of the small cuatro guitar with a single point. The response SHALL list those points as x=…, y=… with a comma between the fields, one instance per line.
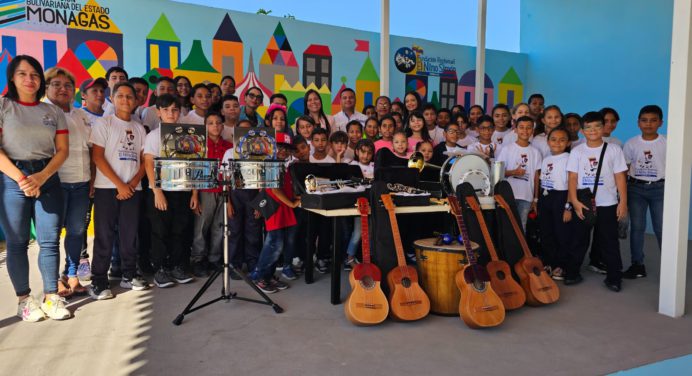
x=501, y=280
x=366, y=304
x=407, y=300
x=539, y=287
x=479, y=307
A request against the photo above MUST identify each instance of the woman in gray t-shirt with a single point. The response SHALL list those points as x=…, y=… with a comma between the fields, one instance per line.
x=33, y=145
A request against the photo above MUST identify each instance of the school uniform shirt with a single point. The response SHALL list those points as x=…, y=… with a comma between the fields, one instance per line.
x=28, y=130
x=647, y=159
x=437, y=135
x=528, y=158
x=284, y=215
x=150, y=118
x=613, y=140
x=583, y=160
x=368, y=170
x=554, y=172
x=499, y=136
x=123, y=142
x=466, y=141
x=379, y=144
x=540, y=142
x=152, y=143
x=192, y=118
x=216, y=150
x=478, y=147
x=91, y=117
x=326, y=159
x=341, y=120
x=77, y=166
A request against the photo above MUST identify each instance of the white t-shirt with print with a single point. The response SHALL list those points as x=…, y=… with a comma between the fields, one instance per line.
x=152, y=143
x=478, y=147
x=554, y=172
x=647, y=159
x=191, y=118
x=499, y=136
x=326, y=159
x=528, y=158
x=583, y=160
x=368, y=170
x=540, y=142
x=466, y=141
x=123, y=142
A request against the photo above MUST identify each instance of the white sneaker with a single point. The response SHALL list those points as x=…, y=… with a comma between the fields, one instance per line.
x=54, y=307
x=29, y=310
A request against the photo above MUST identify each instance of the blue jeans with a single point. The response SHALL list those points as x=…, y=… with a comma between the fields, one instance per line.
x=16, y=213
x=76, y=205
x=523, y=207
x=277, y=241
x=354, y=242
x=641, y=197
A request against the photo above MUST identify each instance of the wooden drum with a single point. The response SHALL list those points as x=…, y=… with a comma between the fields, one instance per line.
x=437, y=268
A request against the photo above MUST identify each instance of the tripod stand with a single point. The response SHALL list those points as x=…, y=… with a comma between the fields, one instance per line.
x=226, y=295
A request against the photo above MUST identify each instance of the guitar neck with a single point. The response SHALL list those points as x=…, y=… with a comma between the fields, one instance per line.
x=365, y=238
x=517, y=230
x=401, y=260
x=465, y=238
x=484, y=228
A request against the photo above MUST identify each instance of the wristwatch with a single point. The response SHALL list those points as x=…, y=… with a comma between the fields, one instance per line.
x=568, y=206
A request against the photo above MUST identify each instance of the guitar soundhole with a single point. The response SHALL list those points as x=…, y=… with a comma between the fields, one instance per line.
x=406, y=282
x=536, y=271
x=479, y=285
x=367, y=282
x=501, y=275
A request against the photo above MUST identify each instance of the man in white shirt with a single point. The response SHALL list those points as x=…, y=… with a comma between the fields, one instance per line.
x=348, y=111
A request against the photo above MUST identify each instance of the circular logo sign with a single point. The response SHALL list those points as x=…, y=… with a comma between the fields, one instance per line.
x=405, y=60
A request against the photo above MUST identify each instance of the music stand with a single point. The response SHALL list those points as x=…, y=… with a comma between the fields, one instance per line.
x=226, y=295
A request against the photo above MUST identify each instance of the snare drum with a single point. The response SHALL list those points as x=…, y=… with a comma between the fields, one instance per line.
x=251, y=174
x=471, y=168
x=437, y=268
x=174, y=174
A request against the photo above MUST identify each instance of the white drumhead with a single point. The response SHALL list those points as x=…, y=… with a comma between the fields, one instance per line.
x=470, y=168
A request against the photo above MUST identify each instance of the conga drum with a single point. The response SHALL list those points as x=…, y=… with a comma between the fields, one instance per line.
x=437, y=268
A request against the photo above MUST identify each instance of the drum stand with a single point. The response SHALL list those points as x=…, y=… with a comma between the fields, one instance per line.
x=226, y=295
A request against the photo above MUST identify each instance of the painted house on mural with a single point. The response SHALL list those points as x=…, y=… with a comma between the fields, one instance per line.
x=466, y=92
x=278, y=59
x=227, y=49
x=196, y=66
x=163, y=45
x=317, y=66
x=448, y=89
x=367, y=84
x=510, y=90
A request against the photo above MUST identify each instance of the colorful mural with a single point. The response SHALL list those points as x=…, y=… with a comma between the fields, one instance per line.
x=158, y=38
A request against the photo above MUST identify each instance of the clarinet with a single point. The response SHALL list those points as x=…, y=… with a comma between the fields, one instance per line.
x=396, y=187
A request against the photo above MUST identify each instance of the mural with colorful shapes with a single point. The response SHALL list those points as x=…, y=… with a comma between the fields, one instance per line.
x=163, y=38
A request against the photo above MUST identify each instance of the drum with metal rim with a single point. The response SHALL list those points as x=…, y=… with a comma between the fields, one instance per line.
x=175, y=174
x=471, y=168
x=256, y=174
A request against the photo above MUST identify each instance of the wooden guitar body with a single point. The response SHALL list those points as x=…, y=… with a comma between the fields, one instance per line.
x=509, y=291
x=366, y=304
x=479, y=307
x=539, y=287
x=407, y=299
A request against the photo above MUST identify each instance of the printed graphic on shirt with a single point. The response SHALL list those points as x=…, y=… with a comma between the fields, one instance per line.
x=128, y=148
x=547, y=178
x=590, y=173
x=523, y=164
x=50, y=121
x=499, y=139
x=645, y=166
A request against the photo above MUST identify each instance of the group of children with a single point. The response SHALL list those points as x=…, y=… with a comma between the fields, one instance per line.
x=176, y=236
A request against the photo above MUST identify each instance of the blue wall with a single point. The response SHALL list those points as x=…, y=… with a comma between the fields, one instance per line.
x=587, y=54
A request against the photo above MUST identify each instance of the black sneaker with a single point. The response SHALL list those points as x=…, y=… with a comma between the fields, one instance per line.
x=322, y=266
x=635, y=271
x=116, y=274
x=279, y=284
x=100, y=292
x=614, y=286
x=199, y=270
x=598, y=267
x=135, y=283
x=266, y=287
x=179, y=275
x=162, y=280
x=573, y=280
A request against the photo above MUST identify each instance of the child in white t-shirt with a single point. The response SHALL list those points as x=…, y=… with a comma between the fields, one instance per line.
x=485, y=144
x=522, y=161
x=320, y=143
x=554, y=209
x=502, y=119
x=583, y=166
x=552, y=118
x=646, y=156
x=200, y=96
x=365, y=150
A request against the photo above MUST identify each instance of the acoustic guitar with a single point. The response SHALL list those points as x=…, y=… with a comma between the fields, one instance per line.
x=501, y=280
x=407, y=300
x=366, y=304
x=539, y=287
x=479, y=306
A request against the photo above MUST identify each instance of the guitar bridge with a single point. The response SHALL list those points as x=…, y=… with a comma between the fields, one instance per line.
x=369, y=305
x=410, y=303
x=486, y=308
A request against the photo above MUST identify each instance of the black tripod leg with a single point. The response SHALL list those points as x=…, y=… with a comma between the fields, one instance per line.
x=267, y=300
x=179, y=319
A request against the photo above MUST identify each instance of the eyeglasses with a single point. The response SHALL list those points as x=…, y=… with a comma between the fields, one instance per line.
x=58, y=85
x=593, y=127
x=254, y=96
x=452, y=131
